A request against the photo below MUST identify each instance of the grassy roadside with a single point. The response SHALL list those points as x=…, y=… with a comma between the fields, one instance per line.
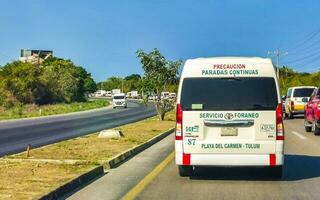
x=32, y=110
x=44, y=170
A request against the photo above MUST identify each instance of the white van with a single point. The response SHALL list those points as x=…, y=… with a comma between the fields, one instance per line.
x=296, y=99
x=119, y=100
x=229, y=113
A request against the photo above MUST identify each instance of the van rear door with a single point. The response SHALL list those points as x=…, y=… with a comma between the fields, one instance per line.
x=298, y=95
x=229, y=115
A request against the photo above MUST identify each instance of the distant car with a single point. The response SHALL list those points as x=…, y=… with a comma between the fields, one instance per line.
x=294, y=104
x=312, y=113
x=172, y=96
x=119, y=100
x=164, y=95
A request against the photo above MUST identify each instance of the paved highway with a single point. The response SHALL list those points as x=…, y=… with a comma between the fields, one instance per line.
x=157, y=175
x=15, y=135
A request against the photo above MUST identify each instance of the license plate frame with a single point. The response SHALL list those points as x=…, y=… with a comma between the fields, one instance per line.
x=229, y=131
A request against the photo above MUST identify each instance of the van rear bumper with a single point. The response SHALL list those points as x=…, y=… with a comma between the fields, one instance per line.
x=231, y=160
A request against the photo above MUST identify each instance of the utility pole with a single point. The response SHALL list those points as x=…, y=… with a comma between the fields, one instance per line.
x=277, y=53
x=122, y=85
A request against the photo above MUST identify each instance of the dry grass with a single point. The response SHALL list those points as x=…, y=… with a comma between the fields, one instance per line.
x=26, y=179
x=29, y=180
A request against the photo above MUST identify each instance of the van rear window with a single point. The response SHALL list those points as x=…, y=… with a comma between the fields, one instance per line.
x=256, y=93
x=302, y=92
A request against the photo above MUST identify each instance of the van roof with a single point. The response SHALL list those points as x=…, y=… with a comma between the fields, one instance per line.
x=229, y=58
x=229, y=67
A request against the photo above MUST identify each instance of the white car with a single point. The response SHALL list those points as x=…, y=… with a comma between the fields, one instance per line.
x=296, y=99
x=229, y=113
x=119, y=100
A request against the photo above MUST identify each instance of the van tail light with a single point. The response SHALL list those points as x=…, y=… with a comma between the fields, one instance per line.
x=279, y=120
x=179, y=122
x=292, y=105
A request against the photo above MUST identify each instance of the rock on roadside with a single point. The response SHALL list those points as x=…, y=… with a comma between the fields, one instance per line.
x=110, y=134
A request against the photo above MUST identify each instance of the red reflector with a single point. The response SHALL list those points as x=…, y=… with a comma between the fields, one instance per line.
x=179, y=123
x=272, y=159
x=186, y=159
x=178, y=137
x=278, y=137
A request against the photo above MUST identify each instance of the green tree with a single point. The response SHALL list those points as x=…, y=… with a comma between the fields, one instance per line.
x=66, y=81
x=20, y=82
x=159, y=73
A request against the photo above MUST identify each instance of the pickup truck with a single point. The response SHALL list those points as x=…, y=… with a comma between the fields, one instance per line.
x=312, y=113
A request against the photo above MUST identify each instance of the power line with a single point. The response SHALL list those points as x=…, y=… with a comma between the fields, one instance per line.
x=309, y=37
x=317, y=58
x=303, y=58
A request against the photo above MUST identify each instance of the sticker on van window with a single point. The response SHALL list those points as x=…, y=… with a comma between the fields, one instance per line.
x=196, y=106
x=193, y=129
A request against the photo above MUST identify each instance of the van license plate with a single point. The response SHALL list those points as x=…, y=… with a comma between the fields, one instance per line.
x=229, y=131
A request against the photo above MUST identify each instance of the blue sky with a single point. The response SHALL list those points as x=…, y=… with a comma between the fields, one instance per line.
x=103, y=36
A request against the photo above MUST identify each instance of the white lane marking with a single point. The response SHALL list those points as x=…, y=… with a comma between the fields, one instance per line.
x=299, y=135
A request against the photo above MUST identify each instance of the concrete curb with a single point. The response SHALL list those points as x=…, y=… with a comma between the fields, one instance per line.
x=73, y=184
x=99, y=171
x=120, y=158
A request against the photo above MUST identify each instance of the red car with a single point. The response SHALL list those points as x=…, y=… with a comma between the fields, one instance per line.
x=312, y=113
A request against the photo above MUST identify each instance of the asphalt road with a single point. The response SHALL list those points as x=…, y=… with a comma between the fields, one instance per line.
x=15, y=135
x=301, y=179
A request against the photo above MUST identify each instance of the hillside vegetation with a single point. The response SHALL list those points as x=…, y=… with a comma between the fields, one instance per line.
x=291, y=78
x=54, y=81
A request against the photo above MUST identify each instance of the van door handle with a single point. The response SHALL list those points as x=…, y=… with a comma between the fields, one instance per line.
x=223, y=123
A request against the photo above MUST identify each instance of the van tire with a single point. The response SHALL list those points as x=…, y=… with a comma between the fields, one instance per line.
x=276, y=172
x=185, y=171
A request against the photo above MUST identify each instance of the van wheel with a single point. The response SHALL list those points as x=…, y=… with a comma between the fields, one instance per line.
x=307, y=126
x=185, y=171
x=315, y=128
x=276, y=172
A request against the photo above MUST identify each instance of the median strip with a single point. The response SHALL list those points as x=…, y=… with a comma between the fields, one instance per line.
x=53, y=168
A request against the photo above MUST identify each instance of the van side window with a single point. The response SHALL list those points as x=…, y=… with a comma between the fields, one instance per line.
x=289, y=93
